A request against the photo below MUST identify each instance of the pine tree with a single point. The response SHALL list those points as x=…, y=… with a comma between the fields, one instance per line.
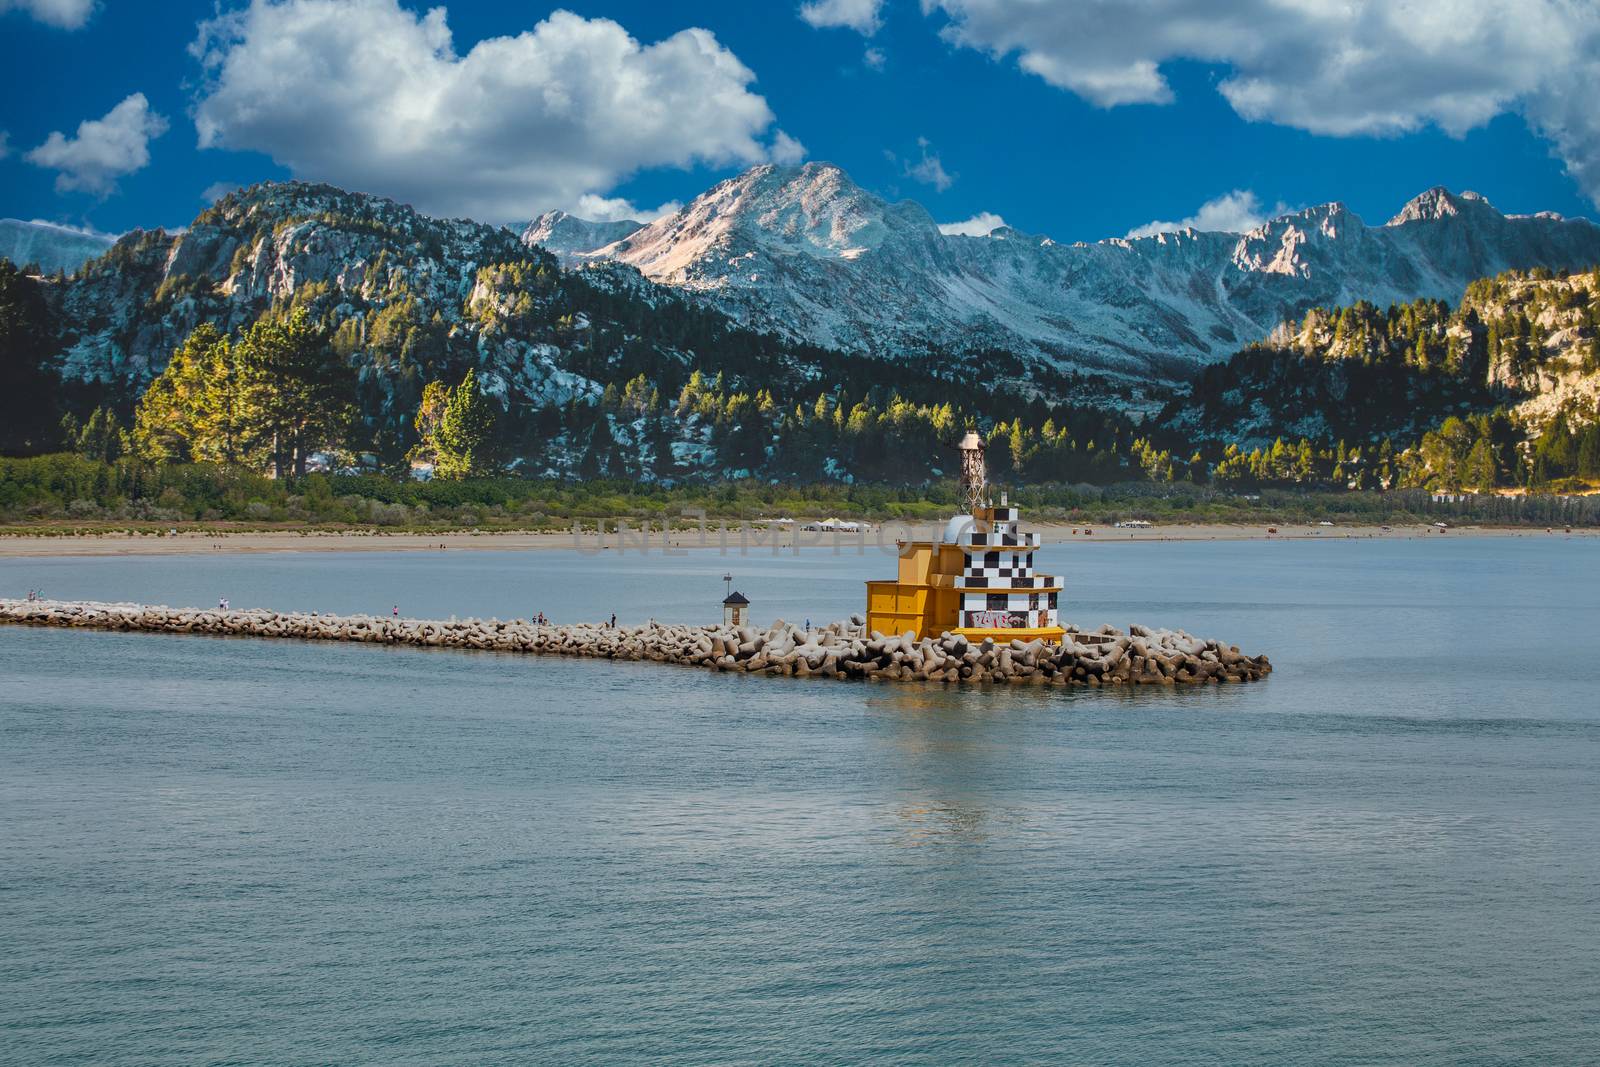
x=1480, y=466
x=167, y=422
x=300, y=394
x=458, y=430
x=101, y=438
x=222, y=415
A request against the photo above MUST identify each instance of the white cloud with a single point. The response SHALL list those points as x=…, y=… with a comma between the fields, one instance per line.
x=217, y=190
x=1339, y=67
x=84, y=231
x=875, y=58
x=104, y=149
x=980, y=225
x=863, y=16
x=616, y=209
x=929, y=169
x=786, y=149
x=1564, y=112
x=368, y=95
x=1235, y=212
x=65, y=14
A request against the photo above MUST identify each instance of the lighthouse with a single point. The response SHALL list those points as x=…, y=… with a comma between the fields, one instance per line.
x=735, y=610
x=977, y=579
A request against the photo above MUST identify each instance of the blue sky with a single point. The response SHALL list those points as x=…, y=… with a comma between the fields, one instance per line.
x=1080, y=123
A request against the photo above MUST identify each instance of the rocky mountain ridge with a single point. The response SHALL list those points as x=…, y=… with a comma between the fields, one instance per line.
x=564, y=234
x=1522, y=345
x=806, y=252
x=407, y=300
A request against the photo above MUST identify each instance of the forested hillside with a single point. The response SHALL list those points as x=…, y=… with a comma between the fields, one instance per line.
x=295, y=327
x=1501, y=391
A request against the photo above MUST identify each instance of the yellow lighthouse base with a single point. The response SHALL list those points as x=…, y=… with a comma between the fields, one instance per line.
x=926, y=598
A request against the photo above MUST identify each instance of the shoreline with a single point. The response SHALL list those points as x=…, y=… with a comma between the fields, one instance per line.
x=15, y=545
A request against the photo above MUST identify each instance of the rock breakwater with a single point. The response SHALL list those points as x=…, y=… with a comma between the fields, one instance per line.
x=1108, y=656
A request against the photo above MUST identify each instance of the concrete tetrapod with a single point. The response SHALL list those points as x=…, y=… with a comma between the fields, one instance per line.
x=1108, y=656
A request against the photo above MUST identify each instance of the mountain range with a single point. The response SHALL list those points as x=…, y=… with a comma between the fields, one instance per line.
x=407, y=300
x=805, y=252
x=631, y=362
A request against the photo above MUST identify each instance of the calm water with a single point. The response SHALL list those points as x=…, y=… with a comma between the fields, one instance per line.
x=235, y=851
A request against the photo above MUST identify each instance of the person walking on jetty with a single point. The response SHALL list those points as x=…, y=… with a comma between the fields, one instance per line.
x=222, y=604
x=396, y=612
x=612, y=625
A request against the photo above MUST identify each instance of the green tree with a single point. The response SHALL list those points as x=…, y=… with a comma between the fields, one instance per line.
x=166, y=424
x=457, y=427
x=203, y=406
x=101, y=438
x=299, y=396
x=1480, y=466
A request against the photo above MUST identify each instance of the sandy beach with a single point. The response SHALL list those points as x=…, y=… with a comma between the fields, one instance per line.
x=19, y=545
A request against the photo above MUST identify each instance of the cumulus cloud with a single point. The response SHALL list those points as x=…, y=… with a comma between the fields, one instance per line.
x=929, y=168
x=1564, y=112
x=786, y=149
x=875, y=58
x=1345, y=68
x=104, y=149
x=980, y=225
x=368, y=95
x=66, y=14
x=617, y=209
x=1235, y=212
x=863, y=16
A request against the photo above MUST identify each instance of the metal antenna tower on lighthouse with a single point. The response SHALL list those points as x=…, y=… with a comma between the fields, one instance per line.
x=974, y=476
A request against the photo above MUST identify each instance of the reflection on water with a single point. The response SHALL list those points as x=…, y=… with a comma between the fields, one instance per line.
x=945, y=823
x=943, y=755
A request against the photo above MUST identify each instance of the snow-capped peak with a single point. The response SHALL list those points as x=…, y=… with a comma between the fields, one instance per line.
x=1439, y=203
x=813, y=209
x=806, y=252
x=567, y=235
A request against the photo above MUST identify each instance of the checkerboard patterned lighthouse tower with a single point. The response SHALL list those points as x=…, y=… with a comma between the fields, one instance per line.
x=977, y=579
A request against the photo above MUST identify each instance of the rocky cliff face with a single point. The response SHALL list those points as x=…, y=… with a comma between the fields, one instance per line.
x=1546, y=350
x=126, y=311
x=805, y=251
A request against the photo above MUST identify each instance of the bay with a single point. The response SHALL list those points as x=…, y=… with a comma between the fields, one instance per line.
x=247, y=851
